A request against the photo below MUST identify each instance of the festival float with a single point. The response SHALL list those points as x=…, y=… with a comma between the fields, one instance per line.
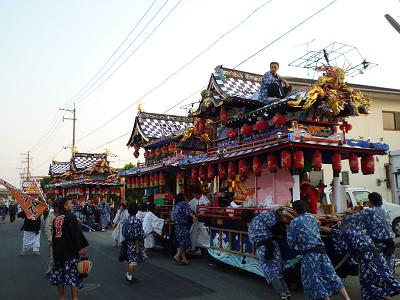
x=86, y=176
x=249, y=154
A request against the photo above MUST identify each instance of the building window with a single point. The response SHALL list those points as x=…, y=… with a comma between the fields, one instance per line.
x=391, y=120
x=388, y=176
x=345, y=178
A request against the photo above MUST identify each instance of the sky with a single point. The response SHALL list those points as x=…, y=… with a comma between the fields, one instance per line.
x=51, y=49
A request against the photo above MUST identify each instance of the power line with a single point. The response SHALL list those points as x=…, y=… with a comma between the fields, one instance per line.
x=128, y=107
x=112, y=55
x=87, y=93
x=130, y=55
x=52, y=123
x=178, y=70
x=286, y=33
x=125, y=134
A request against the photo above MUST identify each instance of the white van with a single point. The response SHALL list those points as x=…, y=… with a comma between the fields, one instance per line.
x=357, y=195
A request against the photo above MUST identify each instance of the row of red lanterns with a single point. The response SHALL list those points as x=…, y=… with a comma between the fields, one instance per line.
x=261, y=125
x=161, y=151
x=287, y=161
x=367, y=164
x=146, y=181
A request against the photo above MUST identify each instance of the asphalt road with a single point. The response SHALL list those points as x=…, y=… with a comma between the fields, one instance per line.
x=159, y=277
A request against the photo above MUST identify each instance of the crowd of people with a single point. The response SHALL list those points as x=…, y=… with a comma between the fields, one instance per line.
x=366, y=236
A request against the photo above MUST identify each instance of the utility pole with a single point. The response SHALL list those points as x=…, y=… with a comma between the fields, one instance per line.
x=73, y=111
x=26, y=159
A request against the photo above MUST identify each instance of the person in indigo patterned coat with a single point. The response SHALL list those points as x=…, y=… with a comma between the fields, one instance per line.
x=375, y=220
x=267, y=249
x=272, y=85
x=376, y=279
x=69, y=245
x=133, y=234
x=180, y=214
x=105, y=210
x=317, y=273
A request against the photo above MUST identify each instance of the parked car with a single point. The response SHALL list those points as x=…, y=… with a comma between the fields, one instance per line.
x=356, y=195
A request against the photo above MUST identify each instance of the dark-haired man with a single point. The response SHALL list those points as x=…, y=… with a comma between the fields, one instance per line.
x=317, y=273
x=69, y=245
x=273, y=85
x=375, y=220
x=267, y=249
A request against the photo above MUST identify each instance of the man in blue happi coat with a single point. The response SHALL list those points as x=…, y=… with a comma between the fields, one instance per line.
x=105, y=210
x=273, y=85
x=267, y=249
x=317, y=273
x=375, y=220
x=376, y=279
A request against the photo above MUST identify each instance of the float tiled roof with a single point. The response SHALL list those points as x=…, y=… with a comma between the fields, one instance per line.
x=83, y=161
x=233, y=83
x=58, y=168
x=156, y=126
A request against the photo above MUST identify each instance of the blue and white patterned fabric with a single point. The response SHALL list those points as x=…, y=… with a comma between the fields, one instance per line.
x=317, y=273
x=375, y=222
x=66, y=273
x=105, y=210
x=376, y=279
x=133, y=234
x=181, y=213
x=260, y=230
x=266, y=82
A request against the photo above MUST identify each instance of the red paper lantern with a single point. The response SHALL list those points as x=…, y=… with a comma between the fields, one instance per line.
x=243, y=167
x=141, y=181
x=346, y=127
x=194, y=174
x=257, y=166
x=353, y=163
x=246, y=129
x=136, y=147
x=202, y=173
x=298, y=159
x=279, y=119
x=135, y=182
x=210, y=172
x=157, y=152
x=172, y=148
x=261, y=125
x=286, y=159
x=222, y=171
x=156, y=179
x=368, y=165
x=316, y=161
x=223, y=115
x=336, y=163
x=162, y=179
x=180, y=178
x=232, y=133
x=164, y=150
x=231, y=170
x=271, y=163
x=146, y=181
x=151, y=180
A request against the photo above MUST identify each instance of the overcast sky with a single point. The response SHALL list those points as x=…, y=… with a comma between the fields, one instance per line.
x=51, y=49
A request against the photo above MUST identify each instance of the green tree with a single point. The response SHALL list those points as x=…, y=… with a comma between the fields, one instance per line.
x=128, y=166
